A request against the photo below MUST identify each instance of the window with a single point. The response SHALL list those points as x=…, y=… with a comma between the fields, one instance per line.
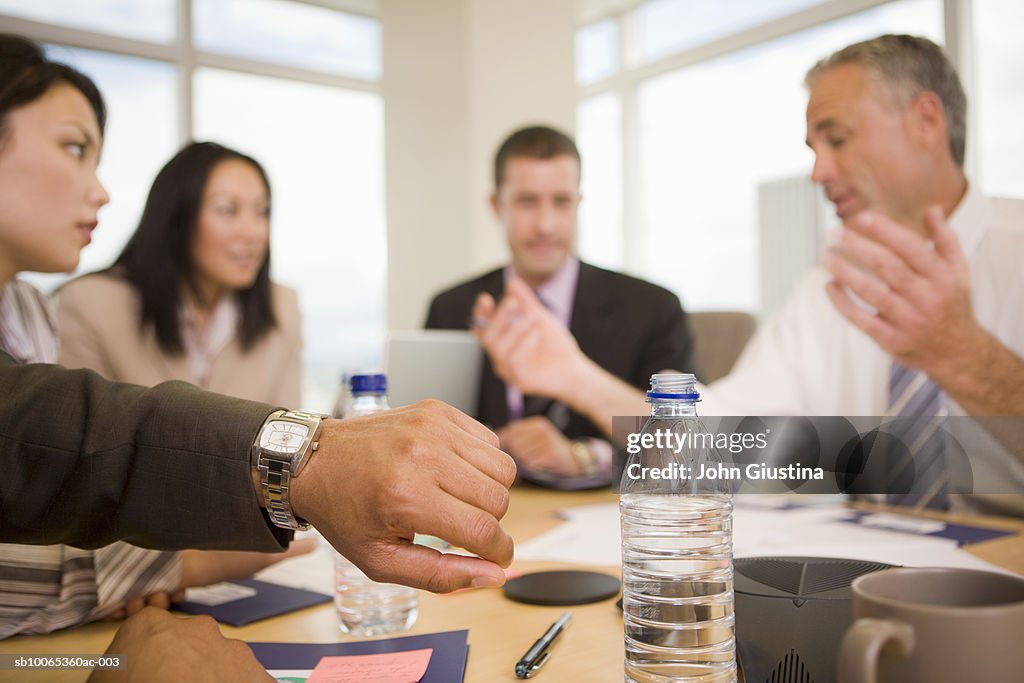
x=709, y=135
x=316, y=125
x=323, y=151
x=599, y=132
x=289, y=33
x=152, y=20
x=998, y=100
x=669, y=26
x=597, y=51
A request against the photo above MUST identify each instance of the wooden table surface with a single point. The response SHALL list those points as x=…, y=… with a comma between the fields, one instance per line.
x=499, y=630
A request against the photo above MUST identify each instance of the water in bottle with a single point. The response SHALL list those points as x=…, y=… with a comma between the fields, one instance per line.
x=365, y=607
x=677, y=575
x=368, y=608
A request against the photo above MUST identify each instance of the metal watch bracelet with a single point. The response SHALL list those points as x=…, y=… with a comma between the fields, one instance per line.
x=275, y=474
x=275, y=481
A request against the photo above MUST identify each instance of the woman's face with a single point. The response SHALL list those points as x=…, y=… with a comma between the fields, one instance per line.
x=233, y=232
x=49, y=192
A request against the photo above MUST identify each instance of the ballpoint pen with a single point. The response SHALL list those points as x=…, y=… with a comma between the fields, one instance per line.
x=538, y=653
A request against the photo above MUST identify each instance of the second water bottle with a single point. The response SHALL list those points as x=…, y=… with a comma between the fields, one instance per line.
x=365, y=607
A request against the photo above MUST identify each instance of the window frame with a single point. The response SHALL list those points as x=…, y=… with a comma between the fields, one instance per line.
x=625, y=83
x=182, y=54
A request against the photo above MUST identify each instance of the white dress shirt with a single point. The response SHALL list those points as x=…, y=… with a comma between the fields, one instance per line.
x=809, y=360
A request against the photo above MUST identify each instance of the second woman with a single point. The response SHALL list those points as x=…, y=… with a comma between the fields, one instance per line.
x=190, y=297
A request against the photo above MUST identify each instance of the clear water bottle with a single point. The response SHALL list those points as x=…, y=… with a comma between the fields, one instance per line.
x=365, y=607
x=344, y=400
x=677, y=574
x=368, y=394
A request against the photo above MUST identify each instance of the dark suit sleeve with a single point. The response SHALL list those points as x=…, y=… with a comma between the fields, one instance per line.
x=85, y=461
x=434, y=316
x=449, y=311
x=669, y=345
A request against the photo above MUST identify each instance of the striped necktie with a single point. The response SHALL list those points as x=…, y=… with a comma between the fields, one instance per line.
x=919, y=475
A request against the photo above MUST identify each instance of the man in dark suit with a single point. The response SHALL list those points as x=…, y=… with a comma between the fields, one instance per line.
x=85, y=461
x=629, y=327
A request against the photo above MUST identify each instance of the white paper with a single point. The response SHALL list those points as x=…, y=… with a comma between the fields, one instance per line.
x=590, y=535
x=219, y=593
x=313, y=571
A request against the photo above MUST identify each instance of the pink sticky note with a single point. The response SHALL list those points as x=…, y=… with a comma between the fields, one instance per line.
x=388, y=667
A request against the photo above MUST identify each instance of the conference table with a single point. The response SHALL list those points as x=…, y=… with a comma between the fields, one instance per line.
x=500, y=630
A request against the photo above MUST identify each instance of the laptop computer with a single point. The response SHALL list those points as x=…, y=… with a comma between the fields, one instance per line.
x=440, y=364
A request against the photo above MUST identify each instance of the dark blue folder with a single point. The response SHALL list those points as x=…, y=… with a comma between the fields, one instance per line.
x=963, y=534
x=270, y=600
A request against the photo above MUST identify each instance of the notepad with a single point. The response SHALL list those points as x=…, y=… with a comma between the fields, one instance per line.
x=387, y=667
x=296, y=662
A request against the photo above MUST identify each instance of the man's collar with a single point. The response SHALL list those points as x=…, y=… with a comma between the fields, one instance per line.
x=970, y=219
x=566, y=274
x=558, y=292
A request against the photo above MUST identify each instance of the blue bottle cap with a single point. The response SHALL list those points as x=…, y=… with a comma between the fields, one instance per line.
x=364, y=384
x=687, y=396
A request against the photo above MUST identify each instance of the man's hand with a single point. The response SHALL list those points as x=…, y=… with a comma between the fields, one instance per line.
x=428, y=468
x=528, y=347
x=157, y=647
x=921, y=294
x=531, y=350
x=132, y=606
x=923, y=315
x=538, y=445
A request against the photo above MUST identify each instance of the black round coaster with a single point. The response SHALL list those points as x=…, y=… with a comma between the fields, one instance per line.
x=562, y=588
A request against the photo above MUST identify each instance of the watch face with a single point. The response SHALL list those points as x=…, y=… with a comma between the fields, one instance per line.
x=281, y=436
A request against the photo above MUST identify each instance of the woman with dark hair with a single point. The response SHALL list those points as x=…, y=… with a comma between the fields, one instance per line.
x=190, y=297
x=51, y=134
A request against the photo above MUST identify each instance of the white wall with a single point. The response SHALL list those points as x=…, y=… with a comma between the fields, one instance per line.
x=426, y=150
x=459, y=75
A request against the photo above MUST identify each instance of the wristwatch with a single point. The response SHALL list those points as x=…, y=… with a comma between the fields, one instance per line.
x=285, y=443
